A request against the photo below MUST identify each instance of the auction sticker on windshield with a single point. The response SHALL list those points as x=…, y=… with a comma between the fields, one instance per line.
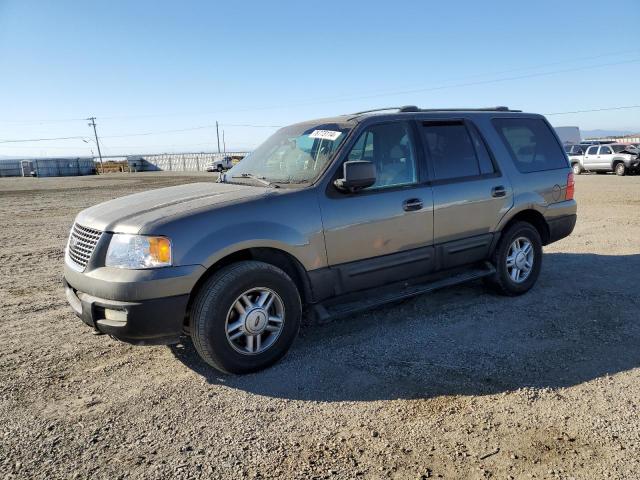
x=325, y=134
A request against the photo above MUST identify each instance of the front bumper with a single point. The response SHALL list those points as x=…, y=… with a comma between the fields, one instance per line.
x=135, y=306
x=156, y=321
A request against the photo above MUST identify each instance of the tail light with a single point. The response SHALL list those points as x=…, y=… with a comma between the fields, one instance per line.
x=571, y=187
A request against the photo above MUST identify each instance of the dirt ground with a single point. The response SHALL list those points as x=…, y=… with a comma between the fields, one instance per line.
x=456, y=384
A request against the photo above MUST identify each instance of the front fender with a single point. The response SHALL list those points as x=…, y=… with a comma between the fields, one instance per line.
x=289, y=221
x=307, y=248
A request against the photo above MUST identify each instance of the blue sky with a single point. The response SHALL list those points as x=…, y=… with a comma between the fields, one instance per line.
x=153, y=66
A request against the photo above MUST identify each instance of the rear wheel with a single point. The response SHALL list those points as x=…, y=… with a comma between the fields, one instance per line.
x=245, y=317
x=620, y=169
x=220, y=168
x=577, y=169
x=517, y=259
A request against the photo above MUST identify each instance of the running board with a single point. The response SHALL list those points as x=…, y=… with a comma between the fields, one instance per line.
x=379, y=296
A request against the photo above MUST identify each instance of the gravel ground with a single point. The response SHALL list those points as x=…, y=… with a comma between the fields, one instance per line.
x=456, y=384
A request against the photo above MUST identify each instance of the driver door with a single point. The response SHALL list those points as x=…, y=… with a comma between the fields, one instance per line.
x=605, y=157
x=590, y=160
x=383, y=233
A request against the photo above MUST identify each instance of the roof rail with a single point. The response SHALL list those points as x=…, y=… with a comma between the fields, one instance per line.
x=377, y=110
x=413, y=108
x=484, y=109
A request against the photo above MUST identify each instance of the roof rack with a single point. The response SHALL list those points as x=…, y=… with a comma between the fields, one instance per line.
x=484, y=109
x=413, y=108
x=378, y=110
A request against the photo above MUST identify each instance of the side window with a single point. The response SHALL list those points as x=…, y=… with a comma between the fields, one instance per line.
x=451, y=150
x=531, y=143
x=605, y=151
x=484, y=158
x=592, y=150
x=391, y=150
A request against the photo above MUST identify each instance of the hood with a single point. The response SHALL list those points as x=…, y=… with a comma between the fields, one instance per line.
x=630, y=150
x=131, y=213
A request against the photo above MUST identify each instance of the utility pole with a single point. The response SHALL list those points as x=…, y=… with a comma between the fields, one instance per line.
x=224, y=144
x=93, y=124
x=218, y=136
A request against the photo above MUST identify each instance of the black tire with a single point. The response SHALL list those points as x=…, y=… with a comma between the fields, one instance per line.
x=577, y=169
x=216, y=298
x=220, y=168
x=501, y=281
x=620, y=169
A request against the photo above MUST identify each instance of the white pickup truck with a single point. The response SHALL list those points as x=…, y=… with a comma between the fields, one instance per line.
x=220, y=164
x=618, y=158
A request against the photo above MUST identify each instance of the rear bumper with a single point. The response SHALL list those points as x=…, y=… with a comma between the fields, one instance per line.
x=561, y=227
x=152, y=321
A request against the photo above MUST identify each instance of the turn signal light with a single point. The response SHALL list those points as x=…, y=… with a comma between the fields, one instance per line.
x=160, y=249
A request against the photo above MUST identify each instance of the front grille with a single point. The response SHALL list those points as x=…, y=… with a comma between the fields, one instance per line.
x=82, y=242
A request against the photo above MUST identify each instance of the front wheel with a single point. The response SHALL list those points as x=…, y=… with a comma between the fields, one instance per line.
x=621, y=169
x=245, y=317
x=517, y=259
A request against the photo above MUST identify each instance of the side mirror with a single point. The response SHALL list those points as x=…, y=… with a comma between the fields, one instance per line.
x=357, y=174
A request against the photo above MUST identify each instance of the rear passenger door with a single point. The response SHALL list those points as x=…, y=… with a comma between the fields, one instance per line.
x=470, y=194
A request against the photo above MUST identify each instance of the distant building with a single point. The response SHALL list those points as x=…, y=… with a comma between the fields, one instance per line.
x=47, y=167
x=633, y=138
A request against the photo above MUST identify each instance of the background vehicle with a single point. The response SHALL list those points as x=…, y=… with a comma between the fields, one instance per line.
x=577, y=149
x=221, y=164
x=568, y=135
x=617, y=158
x=338, y=215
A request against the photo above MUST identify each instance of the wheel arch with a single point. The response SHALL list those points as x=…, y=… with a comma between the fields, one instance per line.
x=273, y=256
x=535, y=218
x=616, y=161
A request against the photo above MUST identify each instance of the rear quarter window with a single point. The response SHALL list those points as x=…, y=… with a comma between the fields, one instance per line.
x=531, y=143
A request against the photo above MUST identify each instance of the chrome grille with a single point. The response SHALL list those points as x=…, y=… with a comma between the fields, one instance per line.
x=82, y=242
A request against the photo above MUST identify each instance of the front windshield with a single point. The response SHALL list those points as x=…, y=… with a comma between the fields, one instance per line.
x=295, y=154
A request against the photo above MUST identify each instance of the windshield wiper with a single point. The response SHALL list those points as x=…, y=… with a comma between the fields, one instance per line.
x=261, y=180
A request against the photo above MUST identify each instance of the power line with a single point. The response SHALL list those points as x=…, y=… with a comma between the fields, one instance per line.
x=190, y=129
x=623, y=107
x=398, y=92
x=381, y=94
x=595, y=110
x=41, y=139
x=158, y=132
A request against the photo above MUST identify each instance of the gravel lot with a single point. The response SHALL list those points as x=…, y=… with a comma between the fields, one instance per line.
x=456, y=384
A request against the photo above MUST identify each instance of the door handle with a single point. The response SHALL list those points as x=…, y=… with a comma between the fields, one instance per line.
x=498, y=191
x=412, y=204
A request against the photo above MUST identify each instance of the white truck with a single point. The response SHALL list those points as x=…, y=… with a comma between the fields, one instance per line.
x=220, y=164
x=619, y=158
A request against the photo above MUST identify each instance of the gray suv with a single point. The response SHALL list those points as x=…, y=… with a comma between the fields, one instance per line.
x=330, y=217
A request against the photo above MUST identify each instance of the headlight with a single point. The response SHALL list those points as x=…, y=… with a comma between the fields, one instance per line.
x=138, y=251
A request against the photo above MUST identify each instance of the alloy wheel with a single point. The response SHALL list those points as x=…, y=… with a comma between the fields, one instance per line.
x=255, y=321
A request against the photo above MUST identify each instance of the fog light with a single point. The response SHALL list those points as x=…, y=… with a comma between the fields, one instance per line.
x=115, y=317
